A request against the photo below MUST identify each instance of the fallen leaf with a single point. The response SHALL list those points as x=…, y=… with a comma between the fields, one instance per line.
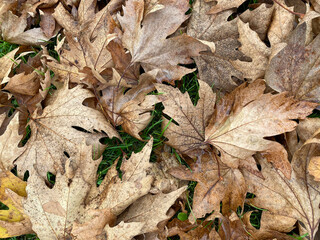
x=246, y=116
x=295, y=68
x=55, y=133
x=13, y=221
x=297, y=198
x=7, y=62
x=187, y=134
x=13, y=30
x=223, y=5
x=153, y=49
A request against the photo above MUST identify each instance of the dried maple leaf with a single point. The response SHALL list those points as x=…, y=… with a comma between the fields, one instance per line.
x=9, y=142
x=216, y=183
x=13, y=30
x=253, y=47
x=216, y=68
x=13, y=221
x=6, y=62
x=131, y=109
x=85, y=58
x=295, y=68
x=246, y=116
x=55, y=134
x=76, y=208
x=297, y=198
x=153, y=49
x=187, y=136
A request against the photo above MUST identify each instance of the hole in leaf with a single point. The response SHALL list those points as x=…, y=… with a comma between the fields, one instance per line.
x=26, y=176
x=259, y=167
x=3, y=206
x=66, y=154
x=80, y=129
x=51, y=179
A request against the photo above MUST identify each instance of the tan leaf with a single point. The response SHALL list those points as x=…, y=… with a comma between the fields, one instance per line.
x=125, y=231
x=6, y=62
x=188, y=136
x=152, y=48
x=223, y=5
x=13, y=30
x=9, y=142
x=85, y=57
x=253, y=47
x=131, y=109
x=143, y=210
x=245, y=117
x=215, y=68
x=13, y=222
x=54, y=132
x=272, y=226
x=295, y=68
x=297, y=198
x=314, y=168
x=216, y=183
x=26, y=84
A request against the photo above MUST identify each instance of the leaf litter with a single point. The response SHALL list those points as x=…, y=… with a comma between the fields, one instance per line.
x=250, y=132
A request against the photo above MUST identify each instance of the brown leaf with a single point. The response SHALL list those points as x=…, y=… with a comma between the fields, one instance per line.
x=13, y=30
x=215, y=68
x=295, y=68
x=47, y=23
x=188, y=134
x=85, y=57
x=152, y=48
x=297, y=198
x=131, y=109
x=216, y=183
x=26, y=84
x=253, y=47
x=245, y=117
x=7, y=62
x=55, y=131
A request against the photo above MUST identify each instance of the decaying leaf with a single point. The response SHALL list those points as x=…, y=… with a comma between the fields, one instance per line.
x=153, y=49
x=295, y=69
x=6, y=62
x=188, y=134
x=223, y=5
x=296, y=198
x=76, y=208
x=13, y=221
x=62, y=125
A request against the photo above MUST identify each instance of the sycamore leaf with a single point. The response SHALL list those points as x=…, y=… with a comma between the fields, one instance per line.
x=13, y=222
x=9, y=142
x=55, y=134
x=216, y=183
x=295, y=68
x=86, y=57
x=145, y=208
x=6, y=63
x=297, y=198
x=216, y=68
x=188, y=134
x=26, y=84
x=13, y=30
x=223, y=5
x=131, y=109
x=246, y=116
x=253, y=47
x=152, y=48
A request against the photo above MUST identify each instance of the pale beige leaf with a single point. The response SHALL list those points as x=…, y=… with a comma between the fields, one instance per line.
x=246, y=116
x=55, y=131
x=142, y=209
x=314, y=168
x=188, y=136
x=6, y=63
x=124, y=231
x=253, y=47
x=9, y=142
